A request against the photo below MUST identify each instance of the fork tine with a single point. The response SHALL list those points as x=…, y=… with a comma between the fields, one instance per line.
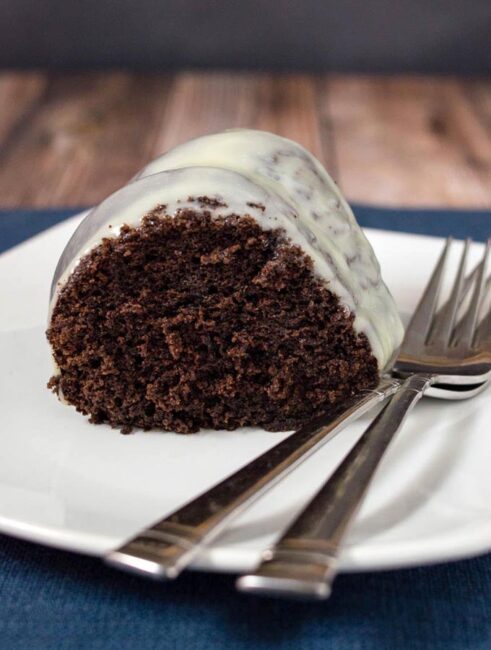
x=466, y=288
x=467, y=327
x=467, y=283
x=442, y=328
x=483, y=332
x=419, y=326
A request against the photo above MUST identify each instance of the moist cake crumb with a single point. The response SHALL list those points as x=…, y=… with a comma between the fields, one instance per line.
x=188, y=321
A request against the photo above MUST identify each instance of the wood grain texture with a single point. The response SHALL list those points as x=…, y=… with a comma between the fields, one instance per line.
x=71, y=139
x=412, y=141
x=86, y=137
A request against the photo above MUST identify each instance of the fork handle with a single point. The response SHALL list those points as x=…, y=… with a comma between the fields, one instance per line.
x=166, y=548
x=303, y=563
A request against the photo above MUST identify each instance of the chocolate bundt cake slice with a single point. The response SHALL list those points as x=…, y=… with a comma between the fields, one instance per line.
x=228, y=285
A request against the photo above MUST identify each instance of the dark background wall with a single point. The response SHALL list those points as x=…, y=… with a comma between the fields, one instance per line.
x=369, y=35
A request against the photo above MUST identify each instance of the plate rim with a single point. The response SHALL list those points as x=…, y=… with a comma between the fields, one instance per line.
x=355, y=558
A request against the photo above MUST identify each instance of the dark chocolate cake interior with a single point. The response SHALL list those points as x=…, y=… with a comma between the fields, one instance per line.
x=187, y=322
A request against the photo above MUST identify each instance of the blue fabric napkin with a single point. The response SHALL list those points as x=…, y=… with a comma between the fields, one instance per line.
x=55, y=600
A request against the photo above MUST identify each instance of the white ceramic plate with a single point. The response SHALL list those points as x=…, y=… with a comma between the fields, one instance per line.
x=69, y=484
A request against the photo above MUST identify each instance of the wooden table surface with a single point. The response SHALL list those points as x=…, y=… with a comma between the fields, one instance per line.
x=71, y=139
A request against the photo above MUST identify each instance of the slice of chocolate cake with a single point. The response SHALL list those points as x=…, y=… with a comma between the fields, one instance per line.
x=228, y=285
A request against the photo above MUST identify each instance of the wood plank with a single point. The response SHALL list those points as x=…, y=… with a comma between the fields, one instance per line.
x=89, y=134
x=19, y=97
x=412, y=141
x=210, y=102
x=71, y=139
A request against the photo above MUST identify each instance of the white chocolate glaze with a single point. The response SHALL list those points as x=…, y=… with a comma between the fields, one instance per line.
x=244, y=169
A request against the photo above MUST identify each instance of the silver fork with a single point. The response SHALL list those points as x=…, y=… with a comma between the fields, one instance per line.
x=166, y=547
x=438, y=347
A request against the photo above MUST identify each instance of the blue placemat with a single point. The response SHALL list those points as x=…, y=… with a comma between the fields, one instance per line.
x=17, y=225
x=53, y=599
